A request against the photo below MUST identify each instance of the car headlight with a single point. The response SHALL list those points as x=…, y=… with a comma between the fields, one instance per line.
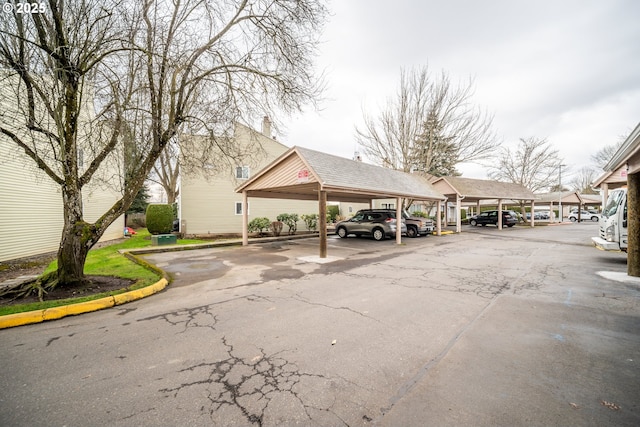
x=609, y=232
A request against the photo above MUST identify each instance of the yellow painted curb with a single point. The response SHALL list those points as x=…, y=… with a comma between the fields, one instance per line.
x=38, y=316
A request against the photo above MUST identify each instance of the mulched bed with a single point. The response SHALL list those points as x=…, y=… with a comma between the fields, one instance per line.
x=94, y=285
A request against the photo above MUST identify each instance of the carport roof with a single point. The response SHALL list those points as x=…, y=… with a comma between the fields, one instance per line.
x=568, y=197
x=479, y=189
x=300, y=173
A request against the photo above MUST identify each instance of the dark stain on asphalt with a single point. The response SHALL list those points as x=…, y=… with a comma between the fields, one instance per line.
x=52, y=340
x=123, y=311
x=280, y=273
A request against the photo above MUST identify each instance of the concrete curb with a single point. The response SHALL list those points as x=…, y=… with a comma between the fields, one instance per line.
x=37, y=316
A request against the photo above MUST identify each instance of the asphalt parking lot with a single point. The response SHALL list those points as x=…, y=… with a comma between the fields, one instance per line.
x=487, y=327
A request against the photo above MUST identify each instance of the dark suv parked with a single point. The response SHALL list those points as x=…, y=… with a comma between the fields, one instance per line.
x=378, y=223
x=509, y=218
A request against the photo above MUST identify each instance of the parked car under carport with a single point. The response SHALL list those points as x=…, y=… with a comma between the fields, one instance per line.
x=509, y=218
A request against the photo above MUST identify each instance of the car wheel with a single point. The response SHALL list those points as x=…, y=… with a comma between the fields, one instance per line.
x=378, y=234
x=594, y=218
x=473, y=222
x=510, y=225
x=484, y=225
x=412, y=232
x=342, y=232
x=572, y=219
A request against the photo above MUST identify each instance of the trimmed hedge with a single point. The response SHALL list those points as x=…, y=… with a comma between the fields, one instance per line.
x=159, y=219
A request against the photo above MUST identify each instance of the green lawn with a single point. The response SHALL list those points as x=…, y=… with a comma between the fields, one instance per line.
x=106, y=261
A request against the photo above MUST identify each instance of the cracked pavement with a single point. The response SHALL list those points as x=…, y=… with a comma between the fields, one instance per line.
x=481, y=328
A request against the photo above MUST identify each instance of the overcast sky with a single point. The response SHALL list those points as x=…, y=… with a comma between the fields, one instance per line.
x=564, y=70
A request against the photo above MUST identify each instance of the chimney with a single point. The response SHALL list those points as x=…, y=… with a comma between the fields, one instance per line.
x=266, y=127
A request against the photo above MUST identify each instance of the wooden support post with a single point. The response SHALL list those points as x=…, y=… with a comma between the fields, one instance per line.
x=445, y=208
x=439, y=218
x=398, y=220
x=458, y=214
x=533, y=212
x=245, y=219
x=499, y=214
x=322, y=208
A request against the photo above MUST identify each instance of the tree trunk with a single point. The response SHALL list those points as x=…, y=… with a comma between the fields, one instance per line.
x=523, y=211
x=633, y=221
x=172, y=194
x=72, y=255
x=77, y=238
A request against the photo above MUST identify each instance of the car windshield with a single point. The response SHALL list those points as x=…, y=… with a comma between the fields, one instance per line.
x=612, y=203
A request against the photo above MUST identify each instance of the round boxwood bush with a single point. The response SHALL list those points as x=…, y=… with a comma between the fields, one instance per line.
x=259, y=225
x=159, y=219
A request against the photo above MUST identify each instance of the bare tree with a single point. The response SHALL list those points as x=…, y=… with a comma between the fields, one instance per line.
x=534, y=165
x=604, y=155
x=95, y=78
x=430, y=126
x=583, y=181
x=166, y=172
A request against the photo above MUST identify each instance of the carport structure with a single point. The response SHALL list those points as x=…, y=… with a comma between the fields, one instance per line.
x=304, y=174
x=475, y=190
x=560, y=200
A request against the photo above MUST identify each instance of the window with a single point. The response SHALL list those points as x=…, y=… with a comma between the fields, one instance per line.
x=388, y=206
x=242, y=172
x=238, y=208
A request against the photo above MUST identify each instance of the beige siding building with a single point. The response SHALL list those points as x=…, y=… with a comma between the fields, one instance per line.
x=31, y=214
x=31, y=210
x=210, y=205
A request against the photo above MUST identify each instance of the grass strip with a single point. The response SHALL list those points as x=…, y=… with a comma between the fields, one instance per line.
x=108, y=261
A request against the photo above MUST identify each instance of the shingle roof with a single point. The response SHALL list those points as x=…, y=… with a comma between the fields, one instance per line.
x=568, y=197
x=470, y=188
x=338, y=172
x=338, y=175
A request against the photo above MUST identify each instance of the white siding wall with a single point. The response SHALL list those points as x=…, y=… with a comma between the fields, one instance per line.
x=95, y=203
x=349, y=209
x=31, y=216
x=30, y=211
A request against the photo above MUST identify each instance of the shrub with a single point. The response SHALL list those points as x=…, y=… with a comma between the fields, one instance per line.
x=276, y=227
x=420, y=214
x=259, y=225
x=332, y=213
x=311, y=221
x=159, y=219
x=290, y=220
